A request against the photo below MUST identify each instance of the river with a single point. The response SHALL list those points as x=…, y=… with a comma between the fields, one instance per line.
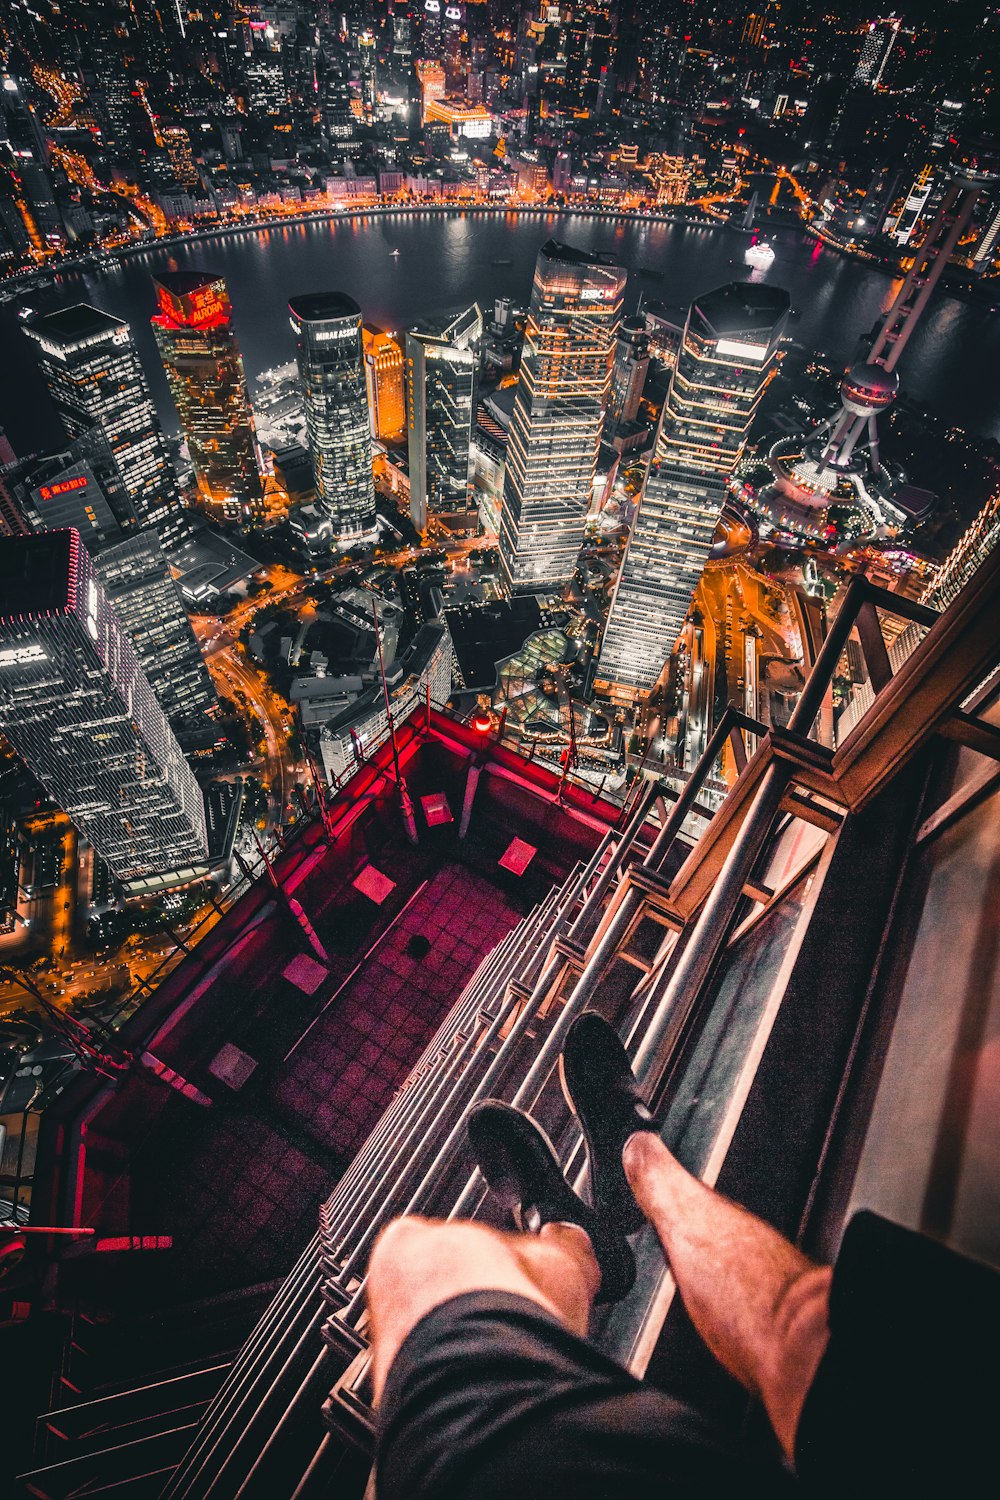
x=448, y=261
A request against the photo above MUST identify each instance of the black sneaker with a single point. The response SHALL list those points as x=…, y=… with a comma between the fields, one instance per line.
x=601, y=1091
x=518, y=1161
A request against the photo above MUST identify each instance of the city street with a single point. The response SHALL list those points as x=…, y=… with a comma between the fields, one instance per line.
x=280, y=767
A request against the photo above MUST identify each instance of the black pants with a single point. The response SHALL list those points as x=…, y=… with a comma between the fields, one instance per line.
x=491, y=1398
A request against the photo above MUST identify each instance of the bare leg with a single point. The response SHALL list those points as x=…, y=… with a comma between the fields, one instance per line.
x=759, y=1304
x=417, y=1264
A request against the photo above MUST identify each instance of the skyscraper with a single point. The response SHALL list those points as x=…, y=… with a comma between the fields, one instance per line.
x=981, y=538
x=433, y=85
x=337, y=115
x=80, y=487
x=327, y=327
x=197, y=343
x=731, y=337
x=90, y=362
x=401, y=56
x=576, y=303
x=384, y=380
x=590, y=53
x=442, y=362
x=77, y=707
x=880, y=38
x=629, y=371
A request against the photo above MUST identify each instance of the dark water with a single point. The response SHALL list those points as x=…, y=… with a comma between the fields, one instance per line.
x=950, y=363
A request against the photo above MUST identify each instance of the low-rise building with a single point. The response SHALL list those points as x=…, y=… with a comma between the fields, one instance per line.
x=351, y=736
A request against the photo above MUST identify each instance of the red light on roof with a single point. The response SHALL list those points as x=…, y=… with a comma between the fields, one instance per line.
x=134, y=1242
x=482, y=723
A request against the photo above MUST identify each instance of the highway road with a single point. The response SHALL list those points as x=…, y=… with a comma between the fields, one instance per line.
x=281, y=767
x=235, y=675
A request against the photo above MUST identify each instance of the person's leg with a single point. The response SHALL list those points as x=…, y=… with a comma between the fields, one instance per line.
x=417, y=1264
x=759, y=1304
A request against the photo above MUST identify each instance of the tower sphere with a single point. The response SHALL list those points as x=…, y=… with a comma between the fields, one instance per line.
x=868, y=388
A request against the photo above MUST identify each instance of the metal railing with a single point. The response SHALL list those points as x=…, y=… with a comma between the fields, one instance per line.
x=504, y=1035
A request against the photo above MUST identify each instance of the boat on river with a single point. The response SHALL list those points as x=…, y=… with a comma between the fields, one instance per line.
x=759, y=255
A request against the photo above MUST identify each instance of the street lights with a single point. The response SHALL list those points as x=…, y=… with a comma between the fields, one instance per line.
x=110, y=1064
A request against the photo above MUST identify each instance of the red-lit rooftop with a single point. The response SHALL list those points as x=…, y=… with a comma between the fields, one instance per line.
x=805, y=991
x=237, y=1183
x=191, y=299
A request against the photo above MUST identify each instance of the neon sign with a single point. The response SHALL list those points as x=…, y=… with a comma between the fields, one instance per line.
x=64, y=487
x=17, y=655
x=194, y=310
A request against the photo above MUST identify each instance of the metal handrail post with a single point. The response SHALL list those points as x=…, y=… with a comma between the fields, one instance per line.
x=819, y=679
x=628, y=836
x=671, y=1009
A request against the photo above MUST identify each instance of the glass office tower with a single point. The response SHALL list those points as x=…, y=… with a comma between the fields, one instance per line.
x=80, y=487
x=90, y=363
x=727, y=354
x=197, y=343
x=442, y=362
x=327, y=328
x=569, y=343
x=77, y=707
x=628, y=372
x=384, y=378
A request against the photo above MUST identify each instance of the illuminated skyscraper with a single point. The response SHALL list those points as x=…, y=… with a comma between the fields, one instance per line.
x=337, y=115
x=726, y=357
x=81, y=487
x=429, y=13
x=77, y=707
x=590, y=53
x=981, y=538
x=197, y=343
x=433, y=85
x=327, y=327
x=177, y=144
x=442, y=362
x=880, y=38
x=93, y=372
x=384, y=382
x=401, y=26
x=569, y=342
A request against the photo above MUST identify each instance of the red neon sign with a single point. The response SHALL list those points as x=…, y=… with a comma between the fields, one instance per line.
x=65, y=487
x=196, y=310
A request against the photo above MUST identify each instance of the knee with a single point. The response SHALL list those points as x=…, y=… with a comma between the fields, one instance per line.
x=401, y=1247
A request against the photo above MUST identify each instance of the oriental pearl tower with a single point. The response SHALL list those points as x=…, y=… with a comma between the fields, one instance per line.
x=870, y=386
x=839, y=463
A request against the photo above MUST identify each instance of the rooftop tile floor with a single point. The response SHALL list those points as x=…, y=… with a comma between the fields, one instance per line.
x=238, y=1186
